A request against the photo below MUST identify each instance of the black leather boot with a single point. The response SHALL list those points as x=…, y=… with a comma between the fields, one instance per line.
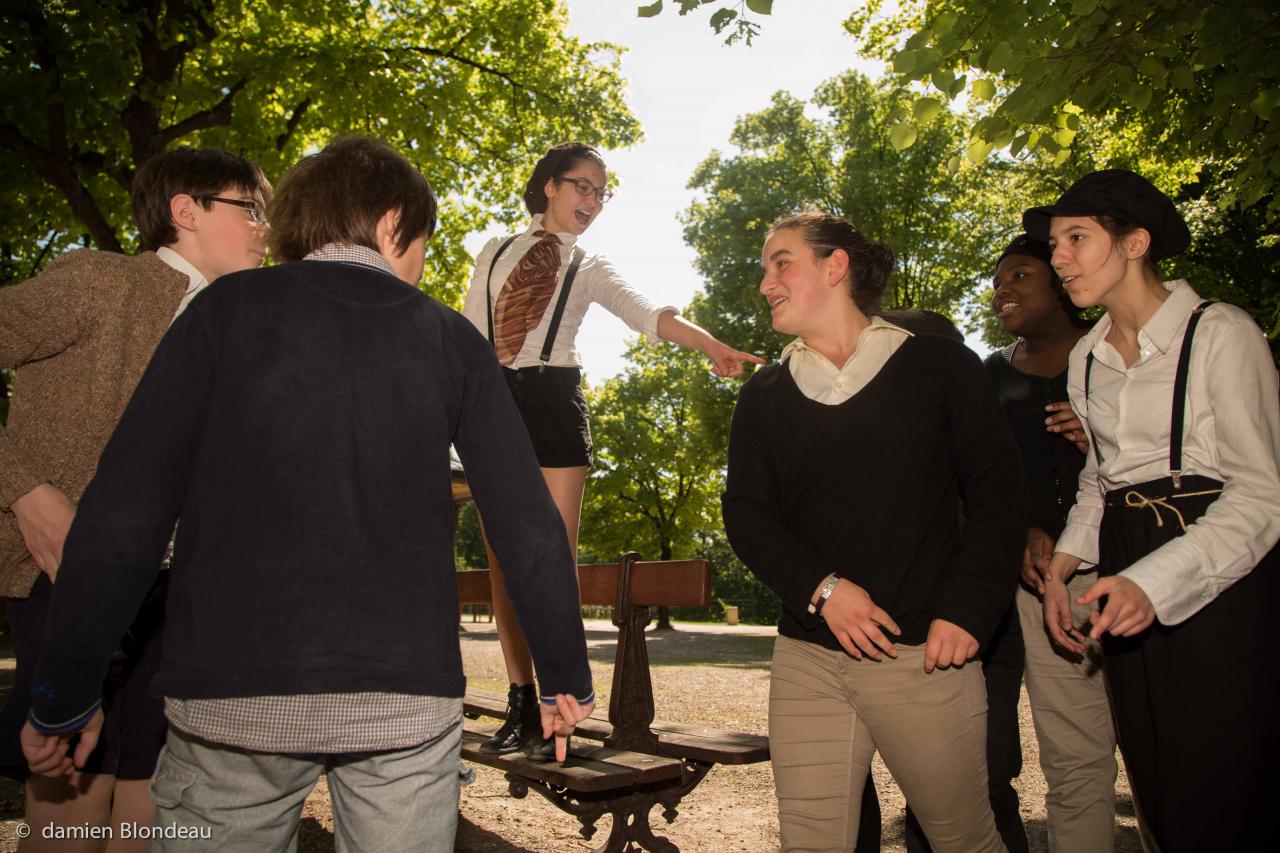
x=522, y=706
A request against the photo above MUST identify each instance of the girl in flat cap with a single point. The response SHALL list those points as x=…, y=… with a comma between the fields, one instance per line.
x=847, y=461
x=529, y=294
x=1179, y=508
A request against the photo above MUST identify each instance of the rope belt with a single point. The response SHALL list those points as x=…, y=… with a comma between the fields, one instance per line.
x=1137, y=500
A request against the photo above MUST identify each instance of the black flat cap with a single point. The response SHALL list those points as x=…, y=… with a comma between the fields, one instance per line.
x=1124, y=195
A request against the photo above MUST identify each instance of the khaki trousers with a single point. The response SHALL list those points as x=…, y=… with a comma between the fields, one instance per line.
x=828, y=715
x=1074, y=729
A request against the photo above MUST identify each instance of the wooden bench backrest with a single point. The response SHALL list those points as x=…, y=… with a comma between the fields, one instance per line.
x=668, y=583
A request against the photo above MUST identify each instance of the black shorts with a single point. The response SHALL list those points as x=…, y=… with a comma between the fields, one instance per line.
x=555, y=412
x=135, y=726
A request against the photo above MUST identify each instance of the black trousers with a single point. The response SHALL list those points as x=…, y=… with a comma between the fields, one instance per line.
x=1002, y=664
x=1197, y=705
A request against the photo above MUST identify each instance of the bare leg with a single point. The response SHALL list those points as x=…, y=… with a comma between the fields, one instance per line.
x=77, y=800
x=132, y=804
x=566, y=485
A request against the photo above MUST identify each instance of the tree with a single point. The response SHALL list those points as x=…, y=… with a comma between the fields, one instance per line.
x=659, y=466
x=730, y=16
x=471, y=91
x=843, y=160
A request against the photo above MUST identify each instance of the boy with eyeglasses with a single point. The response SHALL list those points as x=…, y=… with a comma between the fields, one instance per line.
x=79, y=336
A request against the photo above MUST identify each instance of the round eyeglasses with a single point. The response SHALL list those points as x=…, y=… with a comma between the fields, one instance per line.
x=585, y=188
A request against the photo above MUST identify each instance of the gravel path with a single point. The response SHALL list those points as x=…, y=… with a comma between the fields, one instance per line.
x=714, y=675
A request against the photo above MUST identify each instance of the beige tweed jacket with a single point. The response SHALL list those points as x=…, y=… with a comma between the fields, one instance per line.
x=79, y=335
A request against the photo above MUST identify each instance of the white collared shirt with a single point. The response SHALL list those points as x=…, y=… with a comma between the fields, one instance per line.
x=596, y=281
x=196, y=281
x=820, y=380
x=1231, y=433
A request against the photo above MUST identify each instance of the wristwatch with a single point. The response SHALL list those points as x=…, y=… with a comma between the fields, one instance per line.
x=824, y=593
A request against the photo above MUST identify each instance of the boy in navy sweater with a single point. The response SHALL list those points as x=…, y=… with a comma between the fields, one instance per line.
x=298, y=419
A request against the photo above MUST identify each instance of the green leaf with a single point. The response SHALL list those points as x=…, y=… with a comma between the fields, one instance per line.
x=984, y=89
x=927, y=109
x=943, y=79
x=650, y=10
x=1181, y=78
x=1138, y=95
x=1000, y=56
x=721, y=18
x=953, y=165
x=1064, y=137
x=902, y=136
x=1081, y=8
x=904, y=61
x=977, y=151
x=944, y=22
x=760, y=7
x=1265, y=103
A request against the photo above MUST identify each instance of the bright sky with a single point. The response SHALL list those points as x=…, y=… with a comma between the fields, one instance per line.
x=687, y=89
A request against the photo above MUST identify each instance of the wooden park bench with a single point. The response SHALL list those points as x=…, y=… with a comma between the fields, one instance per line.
x=633, y=762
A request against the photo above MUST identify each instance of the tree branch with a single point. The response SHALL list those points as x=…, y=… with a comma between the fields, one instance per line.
x=294, y=120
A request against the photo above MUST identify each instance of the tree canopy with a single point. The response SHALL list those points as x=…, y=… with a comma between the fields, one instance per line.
x=471, y=91
x=837, y=154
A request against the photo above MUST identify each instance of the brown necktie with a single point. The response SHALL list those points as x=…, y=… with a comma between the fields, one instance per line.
x=524, y=297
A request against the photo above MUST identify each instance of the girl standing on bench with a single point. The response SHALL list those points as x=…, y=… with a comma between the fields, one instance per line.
x=529, y=294
x=1179, y=507
x=847, y=462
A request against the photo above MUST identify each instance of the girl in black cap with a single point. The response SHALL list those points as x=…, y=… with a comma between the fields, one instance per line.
x=1179, y=507
x=529, y=294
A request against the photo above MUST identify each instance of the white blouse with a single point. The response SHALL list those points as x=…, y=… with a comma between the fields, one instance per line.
x=1231, y=433
x=820, y=380
x=596, y=281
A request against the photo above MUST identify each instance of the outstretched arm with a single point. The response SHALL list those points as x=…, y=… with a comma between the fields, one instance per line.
x=727, y=360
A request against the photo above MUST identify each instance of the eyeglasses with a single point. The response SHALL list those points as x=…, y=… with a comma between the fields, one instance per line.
x=586, y=188
x=256, y=214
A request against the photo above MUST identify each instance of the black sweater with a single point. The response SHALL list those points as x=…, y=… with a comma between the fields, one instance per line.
x=1052, y=463
x=871, y=488
x=298, y=419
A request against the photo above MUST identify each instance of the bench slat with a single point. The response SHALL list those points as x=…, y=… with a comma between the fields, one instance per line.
x=676, y=740
x=589, y=768
x=667, y=583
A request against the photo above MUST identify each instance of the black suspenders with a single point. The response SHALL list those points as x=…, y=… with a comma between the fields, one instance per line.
x=1178, y=416
x=554, y=328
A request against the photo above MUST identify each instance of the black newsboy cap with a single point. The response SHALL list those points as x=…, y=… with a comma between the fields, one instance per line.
x=1124, y=195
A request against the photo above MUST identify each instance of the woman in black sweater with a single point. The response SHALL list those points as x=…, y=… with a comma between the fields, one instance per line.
x=847, y=461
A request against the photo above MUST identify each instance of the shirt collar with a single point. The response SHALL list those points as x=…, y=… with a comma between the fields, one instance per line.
x=1162, y=329
x=349, y=253
x=566, y=239
x=195, y=278
x=878, y=324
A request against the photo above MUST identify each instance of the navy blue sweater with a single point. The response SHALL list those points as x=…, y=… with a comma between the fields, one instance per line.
x=871, y=488
x=298, y=420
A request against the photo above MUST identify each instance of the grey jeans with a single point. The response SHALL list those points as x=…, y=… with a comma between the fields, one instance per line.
x=213, y=797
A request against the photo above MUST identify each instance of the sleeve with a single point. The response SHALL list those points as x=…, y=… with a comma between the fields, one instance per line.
x=981, y=579
x=1243, y=524
x=752, y=508
x=123, y=524
x=1080, y=537
x=474, y=306
x=606, y=286
x=523, y=525
x=39, y=318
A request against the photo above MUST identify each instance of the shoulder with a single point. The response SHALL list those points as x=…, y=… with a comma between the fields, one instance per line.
x=764, y=383
x=939, y=350
x=1228, y=318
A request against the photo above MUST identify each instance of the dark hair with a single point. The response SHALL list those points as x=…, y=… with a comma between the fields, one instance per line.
x=197, y=172
x=1120, y=228
x=556, y=163
x=870, y=263
x=339, y=194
